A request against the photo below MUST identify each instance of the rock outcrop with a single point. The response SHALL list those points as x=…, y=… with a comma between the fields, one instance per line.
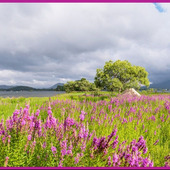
x=131, y=92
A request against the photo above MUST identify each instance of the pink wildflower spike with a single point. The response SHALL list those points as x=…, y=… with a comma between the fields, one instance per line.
x=29, y=137
x=156, y=142
x=54, y=150
x=145, y=150
x=44, y=145
x=6, y=161
x=77, y=158
x=82, y=115
x=37, y=112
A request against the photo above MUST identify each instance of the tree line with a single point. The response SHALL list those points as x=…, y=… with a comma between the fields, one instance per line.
x=114, y=76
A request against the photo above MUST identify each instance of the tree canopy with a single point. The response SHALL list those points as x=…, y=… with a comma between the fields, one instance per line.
x=79, y=85
x=120, y=75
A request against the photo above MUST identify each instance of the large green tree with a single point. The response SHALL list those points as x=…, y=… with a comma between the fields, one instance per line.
x=120, y=75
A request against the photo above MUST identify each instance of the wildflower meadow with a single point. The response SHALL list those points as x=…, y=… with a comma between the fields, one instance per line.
x=67, y=132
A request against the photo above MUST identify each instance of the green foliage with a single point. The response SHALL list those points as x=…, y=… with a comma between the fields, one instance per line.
x=79, y=85
x=60, y=88
x=104, y=121
x=149, y=91
x=121, y=75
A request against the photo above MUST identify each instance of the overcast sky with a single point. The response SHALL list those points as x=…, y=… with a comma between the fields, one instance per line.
x=44, y=44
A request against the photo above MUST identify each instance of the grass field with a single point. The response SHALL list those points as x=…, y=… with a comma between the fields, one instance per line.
x=87, y=130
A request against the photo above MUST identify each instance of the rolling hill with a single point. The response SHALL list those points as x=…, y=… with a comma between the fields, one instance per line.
x=56, y=85
x=21, y=88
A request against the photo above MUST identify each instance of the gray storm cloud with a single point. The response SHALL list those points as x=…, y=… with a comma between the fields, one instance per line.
x=43, y=44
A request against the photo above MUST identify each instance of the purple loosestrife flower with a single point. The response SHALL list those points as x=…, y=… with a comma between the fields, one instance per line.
x=29, y=118
x=153, y=117
x=105, y=152
x=136, y=162
x=4, y=139
x=85, y=132
x=44, y=145
x=134, y=149
x=80, y=134
x=9, y=138
x=109, y=161
x=23, y=122
x=114, y=144
x=48, y=123
x=77, y=158
x=112, y=100
x=151, y=164
x=54, y=150
x=81, y=154
x=157, y=109
x=90, y=135
x=32, y=124
x=63, y=147
x=37, y=112
x=124, y=121
x=27, y=106
x=83, y=147
x=156, y=142
x=124, y=142
x=49, y=112
x=37, y=124
x=34, y=143
x=82, y=115
x=29, y=137
x=49, y=107
x=143, y=126
x=69, y=121
x=167, y=164
x=25, y=111
x=40, y=133
x=110, y=107
x=127, y=156
x=6, y=161
x=15, y=116
x=69, y=151
x=115, y=158
x=145, y=162
x=63, y=152
x=60, y=163
x=145, y=150
x=95, y=141
x=101, y=143
x=141, y=143
x=92, y=117
x=131, y=162
x=114, y=132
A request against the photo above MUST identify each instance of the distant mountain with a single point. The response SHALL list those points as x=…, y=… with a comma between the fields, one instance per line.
x=56, y=85
x=27, y=88
x=5, y=87
x=20, y=88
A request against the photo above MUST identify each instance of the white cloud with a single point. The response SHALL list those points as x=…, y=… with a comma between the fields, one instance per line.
x=59, y=42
